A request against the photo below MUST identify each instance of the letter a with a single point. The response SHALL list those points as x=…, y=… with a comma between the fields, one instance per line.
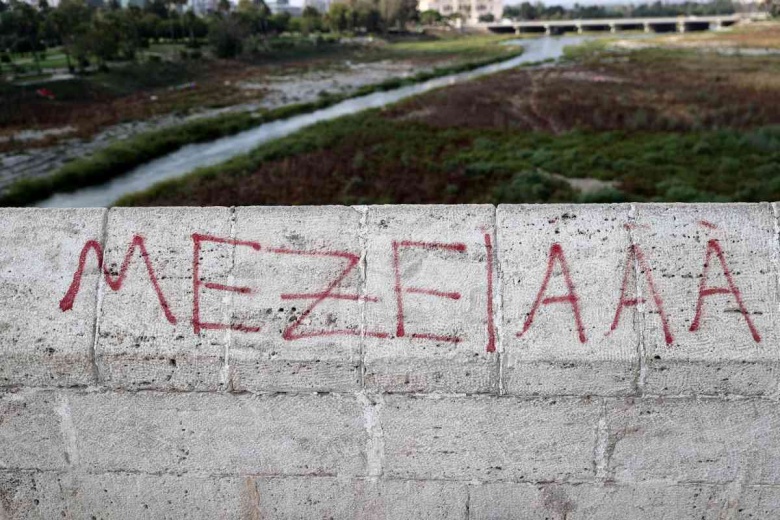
x=713, y=246
x=635, y=254
x=556, y=254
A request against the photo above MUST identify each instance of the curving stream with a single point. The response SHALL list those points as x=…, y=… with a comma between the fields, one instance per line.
x=188, y=158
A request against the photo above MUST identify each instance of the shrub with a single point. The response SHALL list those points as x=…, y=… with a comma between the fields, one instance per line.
x=533, y=186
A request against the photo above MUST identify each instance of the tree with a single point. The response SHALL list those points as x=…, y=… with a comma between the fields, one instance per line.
x=156, y=7
x=487, y=18
x=71, y=19
x=279, y=22
x=398, y=12
x=104, y=37
x=311, y=20
x=430, y=17
x=368, y=17
x=25, y=24
x=339, y=17
x=226, y=35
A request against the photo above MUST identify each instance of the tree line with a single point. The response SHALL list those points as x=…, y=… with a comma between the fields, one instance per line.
x=540, y=11
x=93, y=32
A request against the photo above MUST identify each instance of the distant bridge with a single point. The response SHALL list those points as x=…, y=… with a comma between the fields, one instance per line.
x=659, y=24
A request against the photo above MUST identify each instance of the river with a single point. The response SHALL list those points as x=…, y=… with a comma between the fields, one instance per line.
x=188, y=158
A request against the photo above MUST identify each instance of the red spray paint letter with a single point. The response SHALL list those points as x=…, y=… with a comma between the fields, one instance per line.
x=556, y=254
x=635, y=254
x=713, y=246
x=326, y=294
x=197, y=324
x=115, y=284
x=399, y=289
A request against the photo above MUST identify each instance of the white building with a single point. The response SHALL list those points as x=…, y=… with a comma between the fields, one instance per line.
x=470, y=10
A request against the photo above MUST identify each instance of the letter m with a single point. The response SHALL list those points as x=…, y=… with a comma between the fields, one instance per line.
x=114, y=283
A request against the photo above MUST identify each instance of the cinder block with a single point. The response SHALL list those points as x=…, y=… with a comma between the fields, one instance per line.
x=562, y=270
x=687, y=440
x=46, y=338
x=305, y=284
x=138, y=496
x=420, y=499
x=325, y=497
x=146, y=335
x=220, y=433
x=428, y=305
x=594, y=501
x=723, y=351
x=107, y=496
x=30, y=431
x=489, y=438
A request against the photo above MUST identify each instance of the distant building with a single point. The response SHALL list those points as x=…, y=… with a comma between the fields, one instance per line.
x=283, y=6
x=470, y=10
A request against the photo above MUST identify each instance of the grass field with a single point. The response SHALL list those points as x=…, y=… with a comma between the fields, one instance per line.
x=644, y=125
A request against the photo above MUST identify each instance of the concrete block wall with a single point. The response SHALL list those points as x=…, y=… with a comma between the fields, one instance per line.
x=531, y=361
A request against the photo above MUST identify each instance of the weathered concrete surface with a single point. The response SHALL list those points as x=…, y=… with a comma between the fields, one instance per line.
x=662, y=501
x=390, y=362
x=705, y=440
x=566, y=347
x=725, y=351
x=40, y=252
x=489, y=439
x=219, y=434
x=302, y=252
x=429, y=328
x=145, y=338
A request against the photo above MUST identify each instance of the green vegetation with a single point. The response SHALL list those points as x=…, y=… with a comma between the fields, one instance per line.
x=123, y=156
x=539, y=11
x=369, y=159
x=467, y=47
x=612, y=125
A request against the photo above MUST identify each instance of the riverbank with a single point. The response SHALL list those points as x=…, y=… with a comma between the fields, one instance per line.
x=122, y=156
x=27, y=176
x=611, y=125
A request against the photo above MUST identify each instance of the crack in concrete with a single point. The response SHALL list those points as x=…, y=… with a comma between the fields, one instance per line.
x=226, y=382
x=362, y=288
x=99, y=292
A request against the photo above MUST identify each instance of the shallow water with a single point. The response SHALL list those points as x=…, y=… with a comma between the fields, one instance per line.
x=188, y=158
